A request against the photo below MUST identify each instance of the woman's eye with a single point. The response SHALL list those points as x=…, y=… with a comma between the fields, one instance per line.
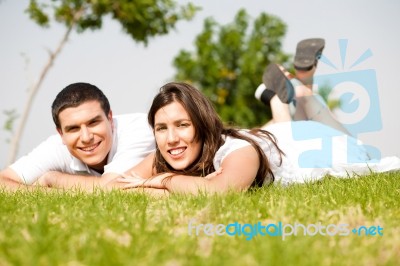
x=184, y=125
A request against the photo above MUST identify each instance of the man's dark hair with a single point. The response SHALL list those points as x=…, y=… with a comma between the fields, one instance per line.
x=76, y=94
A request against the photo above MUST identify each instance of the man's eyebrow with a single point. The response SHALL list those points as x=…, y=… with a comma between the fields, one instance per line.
x=69, y=127
x=159, y=124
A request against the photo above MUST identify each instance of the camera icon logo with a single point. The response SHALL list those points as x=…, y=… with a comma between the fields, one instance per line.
x=358, y=111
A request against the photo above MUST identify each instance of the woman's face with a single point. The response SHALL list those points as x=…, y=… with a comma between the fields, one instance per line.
x=174, y=133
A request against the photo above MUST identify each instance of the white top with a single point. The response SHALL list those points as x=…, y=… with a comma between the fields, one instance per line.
x=312, y=150
x=231, y=144
x=133, y=140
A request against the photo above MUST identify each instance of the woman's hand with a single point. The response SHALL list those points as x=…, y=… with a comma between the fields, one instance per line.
x=214, y=174
x=133, y=180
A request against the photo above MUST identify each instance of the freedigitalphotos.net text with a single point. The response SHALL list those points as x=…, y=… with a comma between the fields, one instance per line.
x=280, y=229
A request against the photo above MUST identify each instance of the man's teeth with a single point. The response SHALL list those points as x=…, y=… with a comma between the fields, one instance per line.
x=176, y=151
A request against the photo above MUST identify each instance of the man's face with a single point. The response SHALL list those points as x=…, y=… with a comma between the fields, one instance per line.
x=88, y=133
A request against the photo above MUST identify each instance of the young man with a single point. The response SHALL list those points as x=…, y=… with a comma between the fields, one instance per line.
x=90, y=143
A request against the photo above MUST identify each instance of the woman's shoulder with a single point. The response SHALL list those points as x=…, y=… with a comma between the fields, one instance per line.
x=230, y=145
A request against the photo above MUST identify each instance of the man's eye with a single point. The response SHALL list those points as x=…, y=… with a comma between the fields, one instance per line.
x=72, y=129
x=161, y=128
x=94, y=122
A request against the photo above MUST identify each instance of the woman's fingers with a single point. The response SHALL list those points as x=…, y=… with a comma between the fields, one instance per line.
x=131, y=185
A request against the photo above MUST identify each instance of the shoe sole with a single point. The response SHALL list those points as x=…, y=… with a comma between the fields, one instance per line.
x=308, y=52
x=276, y=81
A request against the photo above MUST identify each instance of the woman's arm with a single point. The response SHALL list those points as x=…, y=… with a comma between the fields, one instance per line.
x=143, y=169
x=239, y=171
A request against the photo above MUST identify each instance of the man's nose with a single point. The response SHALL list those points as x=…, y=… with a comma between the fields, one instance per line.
x=86, y=135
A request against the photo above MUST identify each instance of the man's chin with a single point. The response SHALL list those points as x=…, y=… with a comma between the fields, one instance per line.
x=95, y=164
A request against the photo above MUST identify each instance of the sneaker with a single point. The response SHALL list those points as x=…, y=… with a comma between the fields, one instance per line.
x=308, y=52
x=275, y=82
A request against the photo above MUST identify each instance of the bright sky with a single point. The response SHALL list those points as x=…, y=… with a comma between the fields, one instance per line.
x=130, y=74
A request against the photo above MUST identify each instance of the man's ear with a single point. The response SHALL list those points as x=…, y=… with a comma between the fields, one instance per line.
x=110, y=118
x=61, y=134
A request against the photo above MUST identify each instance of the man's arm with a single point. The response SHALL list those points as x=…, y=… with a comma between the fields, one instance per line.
x=9, y=180
x=106, y=182
x=56, y=179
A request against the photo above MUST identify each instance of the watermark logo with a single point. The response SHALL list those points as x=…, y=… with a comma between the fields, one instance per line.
x=279, y=229
x=358, y=111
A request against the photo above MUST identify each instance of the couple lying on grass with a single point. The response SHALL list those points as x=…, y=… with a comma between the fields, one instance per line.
x=196, y=153
x=193, y=151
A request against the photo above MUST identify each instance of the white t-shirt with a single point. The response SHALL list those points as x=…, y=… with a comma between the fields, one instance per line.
x=133, y=140
x=231, y=144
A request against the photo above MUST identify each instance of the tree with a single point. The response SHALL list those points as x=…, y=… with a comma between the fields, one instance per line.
x=228, y=64
x=141, y=19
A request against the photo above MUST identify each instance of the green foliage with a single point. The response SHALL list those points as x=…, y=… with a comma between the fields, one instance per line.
x=122, y=228
x=229, y=61
x=8, y=125
x=11, y=117
x=36, y=14
x=141, y=19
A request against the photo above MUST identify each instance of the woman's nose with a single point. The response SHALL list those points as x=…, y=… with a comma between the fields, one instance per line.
x=172, y=136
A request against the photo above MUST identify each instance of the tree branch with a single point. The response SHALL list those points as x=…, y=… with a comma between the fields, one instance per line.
x=14, y=144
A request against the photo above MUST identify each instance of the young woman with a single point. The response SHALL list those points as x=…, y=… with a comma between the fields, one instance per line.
x=196, y=153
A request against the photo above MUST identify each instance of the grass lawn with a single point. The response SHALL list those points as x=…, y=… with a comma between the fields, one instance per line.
x=120, y=228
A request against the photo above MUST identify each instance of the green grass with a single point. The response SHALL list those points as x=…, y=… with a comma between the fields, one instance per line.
x=119, y=228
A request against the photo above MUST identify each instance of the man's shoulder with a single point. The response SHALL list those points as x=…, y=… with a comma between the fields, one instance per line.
x=134, y=122
x=54, y=139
